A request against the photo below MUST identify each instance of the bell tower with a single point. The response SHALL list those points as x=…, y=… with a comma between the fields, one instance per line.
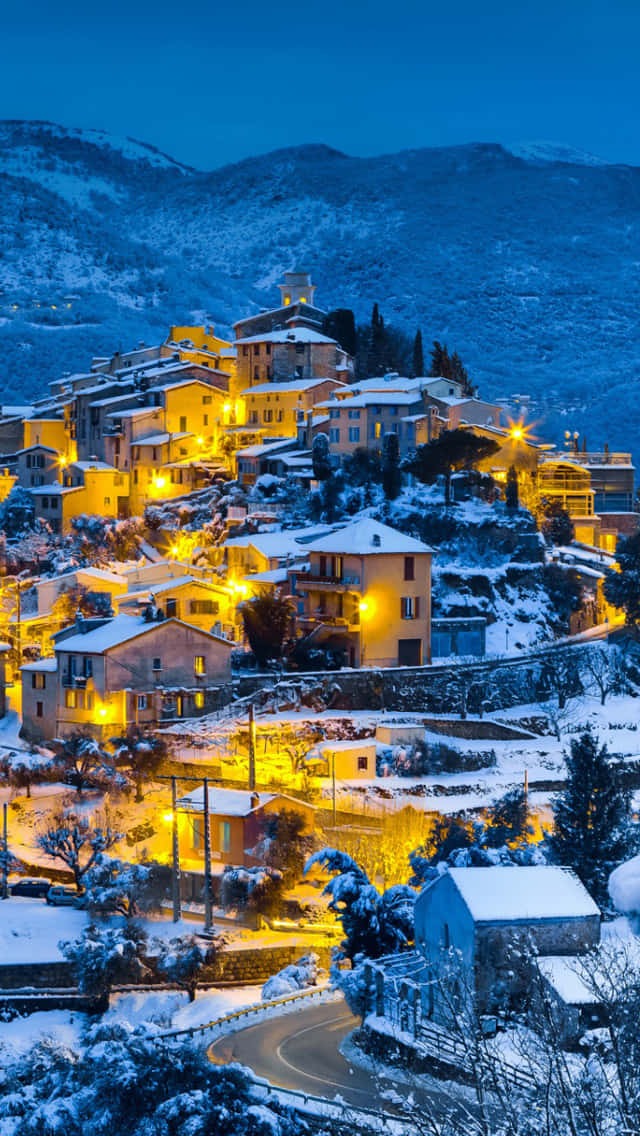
x=297, y=289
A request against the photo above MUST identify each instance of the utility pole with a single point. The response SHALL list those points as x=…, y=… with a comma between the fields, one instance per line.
x=333, y=788
x=207, y=859
x=252, y=748
x=177, y=912
x=5, y=851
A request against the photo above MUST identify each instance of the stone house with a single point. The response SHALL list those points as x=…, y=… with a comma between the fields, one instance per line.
x=125, y=670
x=490, y=917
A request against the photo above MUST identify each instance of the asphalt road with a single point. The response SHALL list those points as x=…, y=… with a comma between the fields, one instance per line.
x=301, y=1051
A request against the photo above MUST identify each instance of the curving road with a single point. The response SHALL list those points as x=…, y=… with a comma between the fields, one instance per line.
x=300, y=1051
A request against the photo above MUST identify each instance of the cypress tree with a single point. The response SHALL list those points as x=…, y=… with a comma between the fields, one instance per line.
x=593, y=828
x=340, y=324
x=391, y=476
x=439, y=361
x=417, y=368
x=511, y=495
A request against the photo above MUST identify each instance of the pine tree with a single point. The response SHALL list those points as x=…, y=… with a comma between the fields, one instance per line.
x=451, y=450
x=459, y=374
x=376, y=357
x=593, y=827
x=440, y=362
x=417, y=368
x=511, y=495
x=340, y=324
x=391, y=476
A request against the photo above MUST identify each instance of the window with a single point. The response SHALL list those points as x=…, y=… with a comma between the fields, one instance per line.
x=198, y=700
x=204, y=607
x=71, y=699
x=354, y=433
x=334, y=434
x=393, y=410
x=354, y=414
x=245, y=350
x=157, y=663
x=39, y=710
x=334, y=414
x=183, y=424
x=107, y=500
x=256, y=350
x=299, y=348
x=299, y=372
x=87, y=666
x=377, y=430
x=363, y=763
x=198, y=838
x=410, y=607
x=45, y=502
x=267, y=416
x=206, y=400
x=409, y=568
x=38, y=681
x=205, y=419
x=172, y=608
x=267, y=348
x=225, y=836
x=199, y=665
x=141, y=702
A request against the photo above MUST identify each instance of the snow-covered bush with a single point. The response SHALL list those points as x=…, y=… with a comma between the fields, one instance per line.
x=353, y=985
x=298, y=976
x=129, y=1082
x=624, y=887
x=259, y=888
x=113, y=885
x=183, y=958
x=103, y=956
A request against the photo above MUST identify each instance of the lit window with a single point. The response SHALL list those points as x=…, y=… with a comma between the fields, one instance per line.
x=410, y=607
x=199, y=665
x=71, y=699
x=198, y=700
x=225, y=836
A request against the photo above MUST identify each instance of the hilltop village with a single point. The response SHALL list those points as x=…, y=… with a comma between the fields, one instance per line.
x=299, y=655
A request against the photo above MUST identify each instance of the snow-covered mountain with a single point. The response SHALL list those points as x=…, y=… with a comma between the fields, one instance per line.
x=527, y=261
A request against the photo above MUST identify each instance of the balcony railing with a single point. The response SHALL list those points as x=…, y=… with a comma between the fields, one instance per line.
x=78, y=682
x=314, y=579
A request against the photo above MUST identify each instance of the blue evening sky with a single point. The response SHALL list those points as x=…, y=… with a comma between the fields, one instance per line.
x=212, y=83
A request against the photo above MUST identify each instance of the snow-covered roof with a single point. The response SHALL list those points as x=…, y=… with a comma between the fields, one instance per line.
x=284, y=542
x=231, y=802
x=292, y=335
x=262, y=448
x=509, y=894
x=120, y=629
x=368, y=537
x=159, y=439
x=54, y=490
x=49, y=665
x=563, y=973
x=85, y=465
x=289, y=387
x=171, y=585
x=271, y=576
x=387, y=384
x=337, y=746
x=373, y=398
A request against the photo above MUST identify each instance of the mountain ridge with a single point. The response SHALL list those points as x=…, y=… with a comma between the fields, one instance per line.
x=528, y=266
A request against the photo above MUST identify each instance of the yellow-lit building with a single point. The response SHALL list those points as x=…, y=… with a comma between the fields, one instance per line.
x=94, y=488
x=211, y=607
x=368, y=593
x=51, y=432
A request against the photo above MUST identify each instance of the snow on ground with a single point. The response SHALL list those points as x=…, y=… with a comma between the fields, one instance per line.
x=30, y=930
x=64, y=1027
x=172, y=1009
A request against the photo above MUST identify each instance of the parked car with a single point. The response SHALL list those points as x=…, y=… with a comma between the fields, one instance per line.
x=60, y=896
x=31, y=885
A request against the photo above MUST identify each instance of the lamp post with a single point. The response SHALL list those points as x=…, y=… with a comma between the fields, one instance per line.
x=5, y=853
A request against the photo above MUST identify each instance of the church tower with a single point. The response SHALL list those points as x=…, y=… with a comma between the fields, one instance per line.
x=297, y=289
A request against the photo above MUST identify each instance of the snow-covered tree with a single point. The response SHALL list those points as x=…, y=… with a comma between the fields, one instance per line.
x=267, y=621
x=21, y=770
x=105, y=956
x=143, y=752
x=374, y=923
x=182, y=959
x=113, y=885
x=593, y=826
x=622, y=583
x=603, y=669
x=82, y=762
x=321, y=458
x=131, y=1082
x=76, y=844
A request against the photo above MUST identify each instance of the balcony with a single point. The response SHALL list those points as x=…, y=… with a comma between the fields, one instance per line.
x=317, y=582
x=74, y=681
x=335, y=622
x=113, y=431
